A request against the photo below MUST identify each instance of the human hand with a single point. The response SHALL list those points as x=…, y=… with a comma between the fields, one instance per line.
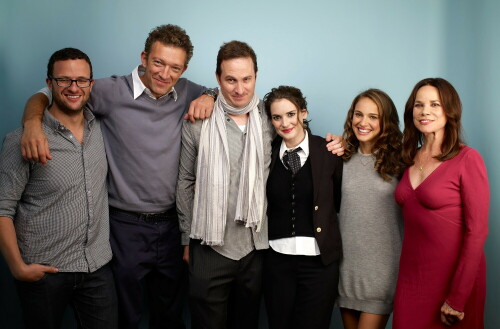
x=335, y=144
x=185, y=256
x=34, y=144
x=201, y=108
x=32, y=272
x=449, y=316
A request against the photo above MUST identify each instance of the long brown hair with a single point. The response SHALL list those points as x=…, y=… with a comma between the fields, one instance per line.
x=452, y=107
x=387, y=148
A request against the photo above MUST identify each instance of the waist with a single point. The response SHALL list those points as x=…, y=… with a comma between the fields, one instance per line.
x=170, y=214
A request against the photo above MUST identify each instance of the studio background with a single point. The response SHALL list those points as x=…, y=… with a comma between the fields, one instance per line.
x=331, y=49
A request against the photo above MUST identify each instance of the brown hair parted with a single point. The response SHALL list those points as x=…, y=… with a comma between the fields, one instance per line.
x=452, y=107
x=170, y=35
x=292, y=94
x=387, y=148
x=235, y=49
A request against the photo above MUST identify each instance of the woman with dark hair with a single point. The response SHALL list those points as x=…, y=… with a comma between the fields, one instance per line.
x=370, y=220
x=445, y=198
x=303, y=192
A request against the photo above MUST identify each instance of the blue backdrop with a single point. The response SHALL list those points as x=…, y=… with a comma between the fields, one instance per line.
x=331, y=49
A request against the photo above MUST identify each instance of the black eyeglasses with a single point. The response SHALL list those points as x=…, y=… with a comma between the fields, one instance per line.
x=65, y=82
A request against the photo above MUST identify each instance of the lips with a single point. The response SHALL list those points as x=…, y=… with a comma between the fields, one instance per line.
x=73, y=98
x=287, y=131
x=362, y=131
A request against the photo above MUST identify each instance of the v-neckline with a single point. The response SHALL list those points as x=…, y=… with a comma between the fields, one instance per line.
x=414, y=188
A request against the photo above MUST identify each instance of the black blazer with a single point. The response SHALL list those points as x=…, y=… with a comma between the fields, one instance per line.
x=327, y=183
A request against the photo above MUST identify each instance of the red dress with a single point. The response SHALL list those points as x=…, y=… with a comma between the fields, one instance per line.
x=445, y=227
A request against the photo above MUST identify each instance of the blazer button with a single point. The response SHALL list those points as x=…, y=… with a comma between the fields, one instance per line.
x=318, y=229
x=316, y=208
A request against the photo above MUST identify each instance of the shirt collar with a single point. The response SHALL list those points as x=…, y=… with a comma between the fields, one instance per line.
x=140, y=88
x=50, y=121
x=304, y=145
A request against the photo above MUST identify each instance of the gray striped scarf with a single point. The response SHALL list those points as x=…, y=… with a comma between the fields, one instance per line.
x=212, y=175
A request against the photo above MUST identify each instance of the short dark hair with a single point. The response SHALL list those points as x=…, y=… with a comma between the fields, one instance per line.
x=452, y=107
x=235, y=49
x=170, y=35
x=64, y=55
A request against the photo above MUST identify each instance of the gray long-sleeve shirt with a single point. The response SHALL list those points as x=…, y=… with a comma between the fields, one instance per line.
x=238, y=240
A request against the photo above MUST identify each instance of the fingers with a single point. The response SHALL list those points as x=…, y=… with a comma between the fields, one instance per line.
x=200, y=109
x=34, y=272
x=185, y=256
x=36, y=148
x=450, y=316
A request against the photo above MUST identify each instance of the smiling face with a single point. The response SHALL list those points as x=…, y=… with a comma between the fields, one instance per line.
x=237, y=81
x=428, y=113
x=72, y=99
x=288, y=121
x=366, y=124
x=164, y=66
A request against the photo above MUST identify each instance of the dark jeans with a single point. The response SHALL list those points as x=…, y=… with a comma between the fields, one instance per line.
x=148, y=255
x=224, y=293
x=91, y=295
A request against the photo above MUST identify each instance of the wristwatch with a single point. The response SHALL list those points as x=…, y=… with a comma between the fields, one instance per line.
x=211, y=92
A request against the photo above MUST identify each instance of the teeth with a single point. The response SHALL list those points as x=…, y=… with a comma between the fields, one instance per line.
x=364, y=130
x=73, y=97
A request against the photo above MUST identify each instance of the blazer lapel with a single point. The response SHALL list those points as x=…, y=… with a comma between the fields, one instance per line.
x=316, y=157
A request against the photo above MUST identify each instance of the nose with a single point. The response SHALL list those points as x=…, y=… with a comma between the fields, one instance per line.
x=238, y=88
x=73, y=86
x=164, y=73
x=426, y=110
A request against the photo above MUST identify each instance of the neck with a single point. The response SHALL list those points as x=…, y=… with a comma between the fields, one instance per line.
x=294, y=142
x=72, y=120
x=365, y=148
x=432, y=143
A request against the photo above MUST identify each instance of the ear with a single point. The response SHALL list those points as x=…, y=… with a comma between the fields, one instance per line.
x=144, y=58
x=49, y=83
x=304, y=113
x=218, y=78
x=185, y=68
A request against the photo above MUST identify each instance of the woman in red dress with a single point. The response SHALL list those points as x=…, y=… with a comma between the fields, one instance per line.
x=445, y=198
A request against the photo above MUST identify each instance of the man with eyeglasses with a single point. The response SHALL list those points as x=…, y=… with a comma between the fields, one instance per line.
x=54, y=220
x=142, y=115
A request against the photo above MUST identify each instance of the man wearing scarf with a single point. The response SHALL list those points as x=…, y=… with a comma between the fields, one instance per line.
x=221, y=197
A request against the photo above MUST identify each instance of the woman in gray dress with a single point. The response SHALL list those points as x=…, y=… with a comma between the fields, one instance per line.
x=370, y=220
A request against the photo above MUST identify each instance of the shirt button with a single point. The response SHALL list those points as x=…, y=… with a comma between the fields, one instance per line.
x=293, y=233
x=316, y=208
x=318, y=229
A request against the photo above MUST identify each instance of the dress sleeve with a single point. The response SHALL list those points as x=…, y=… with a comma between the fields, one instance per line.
x=475, y=195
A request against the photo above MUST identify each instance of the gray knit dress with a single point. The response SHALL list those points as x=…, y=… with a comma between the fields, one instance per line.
x=371, y=229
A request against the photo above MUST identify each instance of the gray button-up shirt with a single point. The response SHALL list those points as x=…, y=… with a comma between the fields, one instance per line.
x=60, y=211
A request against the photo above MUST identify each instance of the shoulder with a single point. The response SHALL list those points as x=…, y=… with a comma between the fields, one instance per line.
x=193, y=90
x=317, y=145
x=13, y=138
x=11, y=148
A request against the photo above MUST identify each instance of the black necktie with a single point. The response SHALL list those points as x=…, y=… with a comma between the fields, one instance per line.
x=292, y=160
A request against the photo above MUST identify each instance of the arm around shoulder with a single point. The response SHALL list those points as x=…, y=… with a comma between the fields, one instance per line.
x=34, y=145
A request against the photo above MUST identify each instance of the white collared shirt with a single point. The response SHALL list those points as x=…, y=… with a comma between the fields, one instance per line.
x=297, y=245
x=140, y=87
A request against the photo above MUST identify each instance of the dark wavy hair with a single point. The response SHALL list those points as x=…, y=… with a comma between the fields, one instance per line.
x=292, y=94
x=170, y=35
x=387, y=148
x=452, y=107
